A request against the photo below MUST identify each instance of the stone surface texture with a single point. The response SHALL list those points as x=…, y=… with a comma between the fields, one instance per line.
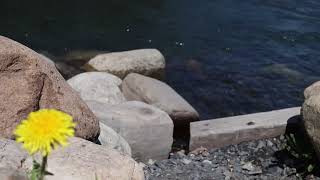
x=147, y=129
x=311, y=118
x=29, y=83
x=108, y=137
x=312, y=90
x=137, y=87
x=83, y=160
x=98, y=86
x=149, y=62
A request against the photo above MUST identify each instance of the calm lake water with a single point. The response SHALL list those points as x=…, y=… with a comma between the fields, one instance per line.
x=226, y=57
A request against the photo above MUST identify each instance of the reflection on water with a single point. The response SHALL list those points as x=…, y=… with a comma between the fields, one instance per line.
x=226, y=57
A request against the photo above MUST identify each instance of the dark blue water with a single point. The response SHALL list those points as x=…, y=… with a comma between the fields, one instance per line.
x=226, y=57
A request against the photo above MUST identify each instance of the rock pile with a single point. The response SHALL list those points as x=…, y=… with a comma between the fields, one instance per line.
x=29, y=82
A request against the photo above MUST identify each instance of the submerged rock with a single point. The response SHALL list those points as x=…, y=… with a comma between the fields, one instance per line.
x=149, y=62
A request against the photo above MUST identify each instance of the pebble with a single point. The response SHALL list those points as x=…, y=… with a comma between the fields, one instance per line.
x=207, y=162
x=248, y=166
x=186, y=161
x=247, y=160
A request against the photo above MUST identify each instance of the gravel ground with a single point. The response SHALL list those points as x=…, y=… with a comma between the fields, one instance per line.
x=261, y=159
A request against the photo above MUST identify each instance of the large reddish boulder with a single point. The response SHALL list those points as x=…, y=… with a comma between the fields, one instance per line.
x=29, y=83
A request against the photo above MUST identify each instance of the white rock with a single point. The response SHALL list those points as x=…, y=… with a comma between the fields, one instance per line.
x=148, y=130
x=80, y=160
x=83, y=160
x=149, y=62
x=98, y=86
x=108, y=137
x=154, y=92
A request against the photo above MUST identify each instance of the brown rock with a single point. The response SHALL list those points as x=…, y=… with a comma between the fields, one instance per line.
x=29, y=83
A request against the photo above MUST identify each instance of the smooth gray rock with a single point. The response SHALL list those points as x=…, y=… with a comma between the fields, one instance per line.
x=108, y=137
x=98, y=86
x=149, y=62
x=221, y=132
x=11, y=154
x=12, y=174
x=147, y=129
x=154, y=92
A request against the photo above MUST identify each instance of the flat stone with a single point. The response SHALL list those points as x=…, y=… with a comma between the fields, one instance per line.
x=233, y=130
x=98, y=86
x=137, y=87
x=147, y=129
x=149, y=62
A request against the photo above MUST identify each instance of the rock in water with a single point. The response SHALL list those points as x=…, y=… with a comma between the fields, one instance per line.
x=149, y=62
x=137, y=87
x=29, y=83
x=98, y=86
x=147, y=129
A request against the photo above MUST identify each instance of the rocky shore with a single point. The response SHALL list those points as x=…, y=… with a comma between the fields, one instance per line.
x=128, y=118
x=261, y=159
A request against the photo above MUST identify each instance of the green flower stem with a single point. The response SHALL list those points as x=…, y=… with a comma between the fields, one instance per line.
x=43, y=167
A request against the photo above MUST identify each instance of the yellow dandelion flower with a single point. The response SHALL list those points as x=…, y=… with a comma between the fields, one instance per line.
x=44, y=130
